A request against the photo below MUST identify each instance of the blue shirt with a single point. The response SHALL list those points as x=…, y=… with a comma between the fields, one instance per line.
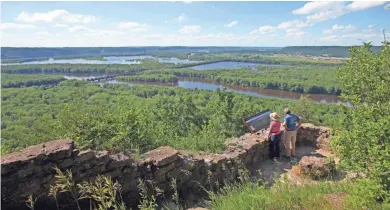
x=291, y=121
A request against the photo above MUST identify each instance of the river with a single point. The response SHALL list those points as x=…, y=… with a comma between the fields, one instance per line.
x=190, y=83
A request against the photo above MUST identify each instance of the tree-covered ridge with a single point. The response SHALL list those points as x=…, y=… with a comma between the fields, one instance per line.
x=332, y=51
x=119, y=117
x=306, y=79
x=17, y=80
x=302, y=79
x=84, y=68
x=259, y=58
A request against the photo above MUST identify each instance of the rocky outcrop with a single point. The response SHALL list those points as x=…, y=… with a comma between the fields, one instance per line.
x=31, y=171
x=316, y=167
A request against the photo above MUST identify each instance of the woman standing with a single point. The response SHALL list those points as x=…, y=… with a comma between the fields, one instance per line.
x=274, y=135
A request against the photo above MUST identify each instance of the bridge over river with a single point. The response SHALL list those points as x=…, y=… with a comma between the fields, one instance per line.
x=108, y=77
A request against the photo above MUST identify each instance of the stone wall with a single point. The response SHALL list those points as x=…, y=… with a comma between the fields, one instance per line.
x=30, y=171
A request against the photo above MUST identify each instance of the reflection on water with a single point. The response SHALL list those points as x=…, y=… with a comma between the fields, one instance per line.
x=229, y=65
x=256, y=92
x=107, y=60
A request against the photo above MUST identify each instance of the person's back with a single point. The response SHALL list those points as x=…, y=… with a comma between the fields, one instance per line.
x=290, y=135
x=291, y=121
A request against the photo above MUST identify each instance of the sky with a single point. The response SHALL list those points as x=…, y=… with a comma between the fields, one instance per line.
x=261, y=24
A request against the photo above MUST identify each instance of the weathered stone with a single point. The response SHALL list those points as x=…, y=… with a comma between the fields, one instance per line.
x=161, y=156
x=161, y=171
x=55, y=150
x=102, y=157
x=323, y=141
x=118, y=161
x=84, y=156
x=65, y=163
x=316, y=167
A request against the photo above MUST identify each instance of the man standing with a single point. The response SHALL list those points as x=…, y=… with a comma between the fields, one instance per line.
x=290, y=125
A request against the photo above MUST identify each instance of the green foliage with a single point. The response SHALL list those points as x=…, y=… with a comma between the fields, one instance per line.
x=102, y=193
x=284, y=195
x=259, y=58
x=364, y=142
x=15, y=81
x=83, y=68
x=307, y=79
x=131, y=119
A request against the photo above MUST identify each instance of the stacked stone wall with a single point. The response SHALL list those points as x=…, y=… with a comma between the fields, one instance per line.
x=31, y=171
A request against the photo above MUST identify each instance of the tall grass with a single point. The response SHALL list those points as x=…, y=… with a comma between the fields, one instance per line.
x=284, y=195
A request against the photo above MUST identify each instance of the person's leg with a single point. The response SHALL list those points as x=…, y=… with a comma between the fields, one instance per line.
x=287, y=144
x=277, y=146
x=293, y=141
x=271, y=148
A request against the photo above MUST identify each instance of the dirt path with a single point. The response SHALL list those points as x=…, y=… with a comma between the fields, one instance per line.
x=270, y=168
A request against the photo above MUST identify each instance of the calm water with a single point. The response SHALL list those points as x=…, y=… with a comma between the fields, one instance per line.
x=210, y=85
x=229, y=65
x=108, y=60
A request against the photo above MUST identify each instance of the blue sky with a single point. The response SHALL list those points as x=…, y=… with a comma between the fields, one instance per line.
x=66, y=24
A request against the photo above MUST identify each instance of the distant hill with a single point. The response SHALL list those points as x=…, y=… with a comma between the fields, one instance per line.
x=332, y=51
x=36, y=52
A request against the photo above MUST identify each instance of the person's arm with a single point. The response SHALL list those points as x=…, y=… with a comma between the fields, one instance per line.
x=285, y=124
x=299, y=122
x=271, y=125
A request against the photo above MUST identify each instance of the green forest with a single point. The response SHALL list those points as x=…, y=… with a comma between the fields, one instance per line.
x=312, y=77
x=119, y=117
x=18, y=80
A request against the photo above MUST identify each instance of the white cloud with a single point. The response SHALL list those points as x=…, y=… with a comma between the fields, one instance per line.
x=362, y=5
x=133, y=26
x=55, y=16
x=181, y=17
x=387, y=7
x=4, y=26
x=315, y=6
x=153, y=36
x=60, y=25
x=325, y=10
x=231, y=24
x=292, y=28
x=340, y=29
x=293, y=24
x=370, y=26
x=190, y=29
x=264, y=30
x=43, y=33
x=187, y=2
x=78, y=28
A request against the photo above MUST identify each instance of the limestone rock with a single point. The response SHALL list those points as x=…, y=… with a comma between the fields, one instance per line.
x=161, y=156
x=323, y=141
x=316, y=167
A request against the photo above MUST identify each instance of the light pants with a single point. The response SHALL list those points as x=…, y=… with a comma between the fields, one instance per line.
x=290, y=137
